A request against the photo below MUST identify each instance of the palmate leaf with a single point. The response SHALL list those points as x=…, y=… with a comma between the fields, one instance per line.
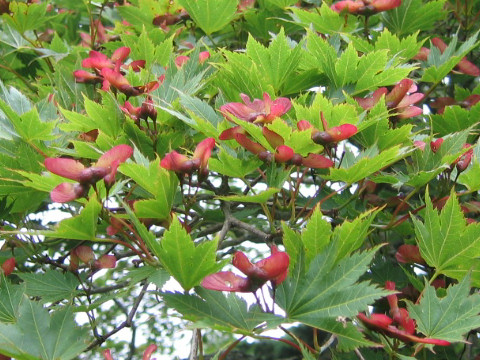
x=80, y=227
x=367, y=165
x=51, y=286
x=278, y=62
x=471, y=177
x=28, y=124
x=232, y=166
x=210, y=15
x=187, y=263
x=24, y=17
x=10, y=298
x=241, y=75
x=450, y=150
x=335, y=115
x=450, y=317
x=405, y=48
x=325, y=20
x=316, y=235
x=228, y=313
x=446, y=242
x=37, y=335
x=350, y=235
x=440, y=64
x=260, y=198
x=413, y=15
x=455, y=119
x=326, y=290
x=162, y=184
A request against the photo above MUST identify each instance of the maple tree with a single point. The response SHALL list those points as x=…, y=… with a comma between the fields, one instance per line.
x=285, y=164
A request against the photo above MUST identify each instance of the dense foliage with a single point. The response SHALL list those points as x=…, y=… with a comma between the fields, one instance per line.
x=302, y=166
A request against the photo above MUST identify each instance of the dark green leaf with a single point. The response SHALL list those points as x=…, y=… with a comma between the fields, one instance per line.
x=217, y=310
x=51, y=286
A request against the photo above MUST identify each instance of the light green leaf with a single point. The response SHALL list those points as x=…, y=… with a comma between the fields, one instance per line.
x=454, y=119
x=187, y=263
x=80, y=227
x=293, y=244
x=450, y=317
x=446, y=242
x=28, y=124
x=326, y=21
x=107, y=115
x=24, y=17
x=163, y=51
x=316, y=235
x=349, y=236
x=278, y=62
x=137, y=16
x=77, y=122
x=201, y=109
x=211, y=15
x=366, y=166
x=162, y=184
x=471, y=177
x=259, y=198
x=346, y=67
x=405, y=48
x=232, y=166
x=324, y=53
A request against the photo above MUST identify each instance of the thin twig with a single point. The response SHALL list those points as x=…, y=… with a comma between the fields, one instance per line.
x=194, y=344
x=326, y=345
x=359, y=354
x=126, y=323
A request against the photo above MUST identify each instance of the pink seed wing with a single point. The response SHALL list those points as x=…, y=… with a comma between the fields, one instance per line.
x=68, y=168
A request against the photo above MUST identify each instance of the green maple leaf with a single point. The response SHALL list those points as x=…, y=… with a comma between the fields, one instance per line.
x=229, y=312
x=446, y=242
x=80, y=227
x=210, y=15
x=187, y=263
x=327, y=289
x=278, y=62
x=38, y=335
x=450, y=317
x=51, y=286
x=413, y=15
x=10, y=298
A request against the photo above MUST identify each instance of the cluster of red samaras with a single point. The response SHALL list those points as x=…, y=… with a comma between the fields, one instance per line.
x=365, y=7
x=85, y=254
x=273, y=268
x=105, y=168
x=183, y=164
x=398, y=325
x=110, y=72
x=400, y=99
x=8, y=266
x=263, y=112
